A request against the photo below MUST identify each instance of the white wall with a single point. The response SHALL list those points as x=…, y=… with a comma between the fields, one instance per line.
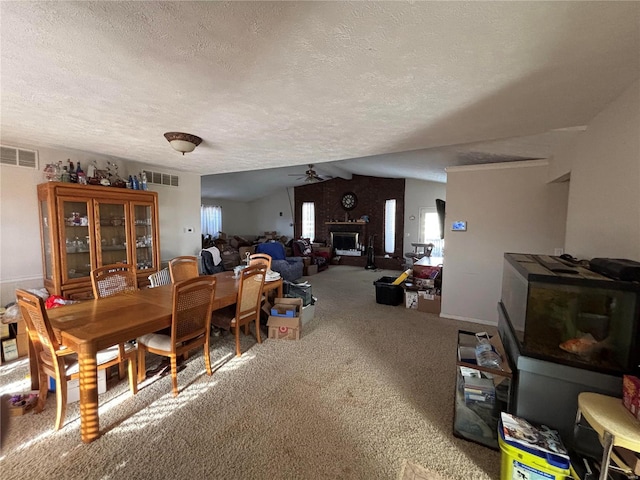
x=20, y=249
x=417, y=194
x=508, y=207
x=267, y=210
x=604, y=201
x=251, y=219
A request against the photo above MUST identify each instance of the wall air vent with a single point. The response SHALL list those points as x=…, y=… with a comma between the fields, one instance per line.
x=162, y=179
x=18, y=157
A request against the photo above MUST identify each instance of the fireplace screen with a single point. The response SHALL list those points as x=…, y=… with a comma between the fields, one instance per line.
x=344, y=240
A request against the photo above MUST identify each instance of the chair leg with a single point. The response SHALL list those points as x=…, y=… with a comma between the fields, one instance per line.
x=61, y=402
x=174, y=375
x=141, y=362
x=44, y=390
x=133, y=373
x=207, y=358
x=258, y=329
x=607, y=447
x=238, y=352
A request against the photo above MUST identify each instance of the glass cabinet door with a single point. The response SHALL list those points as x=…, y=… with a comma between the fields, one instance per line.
x=75, y=219
x=111, y=242
x=143, y=222
x=46, y=239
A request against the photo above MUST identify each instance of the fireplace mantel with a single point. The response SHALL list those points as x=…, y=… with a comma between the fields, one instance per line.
x=345, y=223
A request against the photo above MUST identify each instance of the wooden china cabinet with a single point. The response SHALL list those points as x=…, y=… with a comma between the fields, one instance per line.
x=83, y=227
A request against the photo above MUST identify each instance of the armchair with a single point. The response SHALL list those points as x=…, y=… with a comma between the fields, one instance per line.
x=289, y=268
x=303, y=248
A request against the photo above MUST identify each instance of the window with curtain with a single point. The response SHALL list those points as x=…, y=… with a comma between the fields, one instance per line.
x=211, y=220
x=309, y=220
x=390, y=226
x=429, y=230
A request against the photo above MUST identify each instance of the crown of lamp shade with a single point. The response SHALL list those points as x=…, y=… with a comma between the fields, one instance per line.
x=182, y=142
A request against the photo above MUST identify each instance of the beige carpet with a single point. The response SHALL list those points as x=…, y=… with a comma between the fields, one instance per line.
x=366, y=389
x=411, y=471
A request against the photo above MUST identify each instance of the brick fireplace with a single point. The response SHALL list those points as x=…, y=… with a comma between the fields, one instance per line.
x=372, y=192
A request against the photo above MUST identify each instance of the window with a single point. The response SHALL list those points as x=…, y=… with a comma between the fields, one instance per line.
x=308, y=220
x=429, y=230
x=390, y=226
x=211, y=220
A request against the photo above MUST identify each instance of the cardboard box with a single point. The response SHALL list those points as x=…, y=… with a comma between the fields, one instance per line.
x=286, y=328
x=411, y=299
x=428, y=303
x=310, y=270
x=631, y=394
x=22, y=339
x=9, y=349
x=73, y=386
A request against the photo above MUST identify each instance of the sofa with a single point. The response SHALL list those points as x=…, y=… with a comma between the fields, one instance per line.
x=289, y=268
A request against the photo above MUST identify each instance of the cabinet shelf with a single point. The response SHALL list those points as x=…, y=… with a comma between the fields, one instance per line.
x=481, y=393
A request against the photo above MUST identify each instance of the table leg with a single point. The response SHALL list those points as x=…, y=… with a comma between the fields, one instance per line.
x=89, y=421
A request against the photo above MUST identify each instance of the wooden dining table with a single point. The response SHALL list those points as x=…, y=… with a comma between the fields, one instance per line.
x=93, y=325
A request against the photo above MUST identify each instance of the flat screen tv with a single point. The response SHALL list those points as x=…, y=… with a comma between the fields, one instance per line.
x=440, y=204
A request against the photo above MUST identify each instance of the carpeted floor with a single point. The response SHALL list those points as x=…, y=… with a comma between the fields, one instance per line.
x=366, y=391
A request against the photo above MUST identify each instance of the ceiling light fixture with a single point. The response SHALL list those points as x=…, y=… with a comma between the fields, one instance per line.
x=182, y=142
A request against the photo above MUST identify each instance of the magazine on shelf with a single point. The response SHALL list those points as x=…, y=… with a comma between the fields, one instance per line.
x=518, y=430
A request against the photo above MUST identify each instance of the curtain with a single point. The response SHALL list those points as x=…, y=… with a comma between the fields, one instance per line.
x=211, y=220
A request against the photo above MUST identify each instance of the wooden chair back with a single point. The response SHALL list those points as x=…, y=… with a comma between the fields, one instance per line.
x=40, y=332
x=112, y=279
x=192, y=307
x=260, y=258
x=249, y=301
x=183, y=268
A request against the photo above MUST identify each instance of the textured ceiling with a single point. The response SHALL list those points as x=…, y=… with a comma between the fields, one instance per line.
x=275, y=84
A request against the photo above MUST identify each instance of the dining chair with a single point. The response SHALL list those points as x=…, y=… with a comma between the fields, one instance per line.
x=183, y=268
x=260, y=258
x=190, y=326
x=248, y=305
x=59, y=362
x=110, y=280
x=161, y=277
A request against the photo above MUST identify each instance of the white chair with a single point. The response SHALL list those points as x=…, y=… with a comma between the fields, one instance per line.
x=159, y=278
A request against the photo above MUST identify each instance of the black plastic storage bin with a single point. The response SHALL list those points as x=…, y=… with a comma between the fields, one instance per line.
x=388, y=294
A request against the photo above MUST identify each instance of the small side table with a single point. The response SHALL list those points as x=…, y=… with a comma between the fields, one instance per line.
x=614, y=424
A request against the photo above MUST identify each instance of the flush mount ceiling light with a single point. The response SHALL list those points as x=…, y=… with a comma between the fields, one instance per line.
x=182, y=142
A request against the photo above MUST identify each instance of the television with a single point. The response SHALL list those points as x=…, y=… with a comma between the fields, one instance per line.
x=440, y=204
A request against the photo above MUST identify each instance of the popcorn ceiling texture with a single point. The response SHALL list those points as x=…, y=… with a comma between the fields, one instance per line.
x=271, y=84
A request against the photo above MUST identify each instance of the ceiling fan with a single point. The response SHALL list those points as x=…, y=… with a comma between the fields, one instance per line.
x=310, y=176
